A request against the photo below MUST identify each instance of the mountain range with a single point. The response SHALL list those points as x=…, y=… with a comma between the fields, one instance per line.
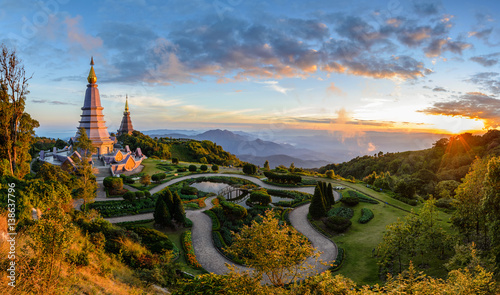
x=249, y=148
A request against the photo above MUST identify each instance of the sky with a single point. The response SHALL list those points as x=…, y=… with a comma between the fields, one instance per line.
x=345, y=67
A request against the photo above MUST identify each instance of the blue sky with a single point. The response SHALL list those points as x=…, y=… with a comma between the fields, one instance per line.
x=347, y=67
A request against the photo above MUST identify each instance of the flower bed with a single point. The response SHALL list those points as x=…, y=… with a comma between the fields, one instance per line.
x=187, y=244
x=337, y=264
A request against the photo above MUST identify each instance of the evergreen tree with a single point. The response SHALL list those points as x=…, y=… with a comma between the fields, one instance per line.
x=317, y=208
x=161, y=214
x=167, y=197
x=178, y=214
x=329, y=191
x=84, y=143
x=266, y=166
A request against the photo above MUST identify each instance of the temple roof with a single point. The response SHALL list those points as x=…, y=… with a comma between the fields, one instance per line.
x=92, y=78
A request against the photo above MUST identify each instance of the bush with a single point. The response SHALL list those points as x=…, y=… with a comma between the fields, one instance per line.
x=350, y=201
x=158, y=177
x=154, y=240
x=342, y=212
x=189, y=190
x=215, y=220
x=362, y=198
x=283, y=178
x=261, y=197
x=366, y=215
x=234, y=211
x=337, y=224
x=446, y=203
x=249, y=169
x=192, y=168
x=147, y=194
x=215, y=168
x=139, y=195
x=113, y=183
x=129, y=196
x=182, y=169
x=175, y=161
x=203, y=167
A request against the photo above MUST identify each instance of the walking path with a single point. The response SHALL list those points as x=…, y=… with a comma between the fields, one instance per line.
x=207, y=253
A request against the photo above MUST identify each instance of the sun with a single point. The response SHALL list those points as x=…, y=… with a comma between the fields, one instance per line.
x=457, y=124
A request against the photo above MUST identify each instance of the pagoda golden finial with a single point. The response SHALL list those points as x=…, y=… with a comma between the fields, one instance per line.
x=126, y=103
x=92, y=77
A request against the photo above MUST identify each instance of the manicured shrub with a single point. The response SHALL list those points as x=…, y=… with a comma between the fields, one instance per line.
x=342, y=212
x=182, y=169
x=249, y=169
x=215, y=168
x=317, y=209
x=145, y=180
x=366, y=215
x=158, y=177
x=139, y=195
x=261, y=197
x=147, y=194
x=283, y=178
x=189, y=190
x=129, y=196
x=350, y=201
x=234, y=211
x=113, y=183
x=187, y=244
x=192, y=168
x=337, y=224
x=203, y=167
x=362, y=198
x=161, y=215
x=175, y=161
x=215, y=220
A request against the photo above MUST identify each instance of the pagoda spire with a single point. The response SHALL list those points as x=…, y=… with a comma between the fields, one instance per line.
x=126, y=103
x=92, y=77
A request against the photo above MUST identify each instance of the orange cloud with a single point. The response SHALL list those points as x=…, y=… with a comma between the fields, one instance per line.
x=332, y=89
x=77, y=35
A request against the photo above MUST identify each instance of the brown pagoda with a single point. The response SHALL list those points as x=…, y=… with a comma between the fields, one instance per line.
x=93, y=119
x=126, y=125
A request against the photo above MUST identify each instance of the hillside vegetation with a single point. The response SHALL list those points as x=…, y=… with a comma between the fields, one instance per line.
x=184, y=150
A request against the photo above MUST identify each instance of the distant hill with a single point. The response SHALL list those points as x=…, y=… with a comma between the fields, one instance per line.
x=276, y=160
x=248, y=148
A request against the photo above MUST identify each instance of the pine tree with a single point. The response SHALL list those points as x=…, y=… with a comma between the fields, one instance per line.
x=179, y=214
x=168, y=199
x=84, y=142
x=329, y=193
x=317, y=208
x=161, y=214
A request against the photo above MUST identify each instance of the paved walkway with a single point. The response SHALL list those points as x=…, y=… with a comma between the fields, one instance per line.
x=206, y=252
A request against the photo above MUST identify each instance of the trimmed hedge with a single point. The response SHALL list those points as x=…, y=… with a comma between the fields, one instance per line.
x=350, y=201
x=337, y=224
x=283, y=178
x=215, y=220
x=337, y=264
x=342, y=212
x=261, y=197
x=188, y=222
x=366, y=215
x=362, y=198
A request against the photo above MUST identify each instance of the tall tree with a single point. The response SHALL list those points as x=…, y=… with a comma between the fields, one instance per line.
x=266, y=166
x=16, y=126
x=84, y=143
x=491, y=206
x=178, y=214
x=272, y=249
x=317, y=209
x=86, y=181
x=161, y=215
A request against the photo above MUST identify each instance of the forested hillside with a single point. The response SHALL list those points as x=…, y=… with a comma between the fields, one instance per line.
x=184, y=150
x=443, y=165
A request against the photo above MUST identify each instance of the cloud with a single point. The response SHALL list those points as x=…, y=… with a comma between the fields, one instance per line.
x=426, y=9
x=274, y=85
x=52, y=102
x=482, y=34
x=77, y=35
x=487, y=60
x=439, y=89
x=332, y=89
x=473, y=105
x=438, y=46
x=487, y=80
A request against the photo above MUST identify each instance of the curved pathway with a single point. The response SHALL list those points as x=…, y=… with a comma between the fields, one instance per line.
x=208, y=255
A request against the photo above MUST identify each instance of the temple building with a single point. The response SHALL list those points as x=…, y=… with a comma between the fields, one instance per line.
x=93, y=119
x=126, y=125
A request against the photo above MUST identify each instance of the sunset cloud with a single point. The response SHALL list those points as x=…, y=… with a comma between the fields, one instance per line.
x=332, y=89
x=473, y=105
x=487, y=60
x=77, y=35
